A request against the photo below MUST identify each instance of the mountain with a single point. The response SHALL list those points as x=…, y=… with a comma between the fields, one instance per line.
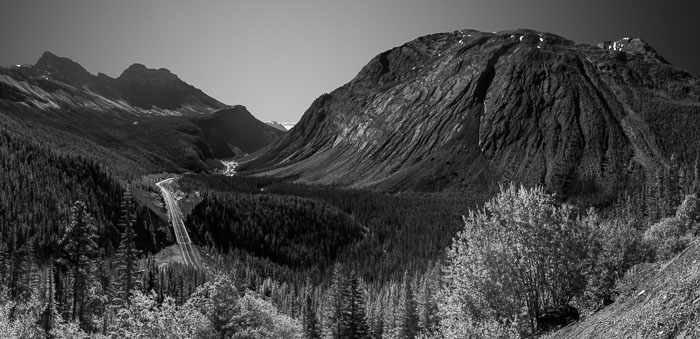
x=466, y=110
x=288, y=125
x=144, y=121
x=235, y=132
x=59, y=83
x=276, y=125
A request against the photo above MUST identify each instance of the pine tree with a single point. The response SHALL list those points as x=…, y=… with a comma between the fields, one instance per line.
x=310, y=324
x=80, y=250
x=354, y=320
x=428, y=308
x=661, y=190
x=29, y=271
x=674, y=191
x=49, y=315
x=696, y=177
x=336, y=305
x=651, y=201
x=5, y=265
x=127, y=254
x=408, y=321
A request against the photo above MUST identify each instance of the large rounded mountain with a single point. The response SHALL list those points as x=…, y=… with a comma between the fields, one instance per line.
x=467, y=110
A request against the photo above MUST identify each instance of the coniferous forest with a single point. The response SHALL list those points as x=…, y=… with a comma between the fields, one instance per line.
x=287, y=260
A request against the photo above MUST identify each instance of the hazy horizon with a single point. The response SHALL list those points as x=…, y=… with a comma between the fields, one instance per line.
x=276, y=58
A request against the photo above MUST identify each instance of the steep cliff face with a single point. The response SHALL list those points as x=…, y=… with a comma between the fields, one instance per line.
x=466, y=110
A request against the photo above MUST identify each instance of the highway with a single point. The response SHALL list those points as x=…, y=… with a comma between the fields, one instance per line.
x=189, y=253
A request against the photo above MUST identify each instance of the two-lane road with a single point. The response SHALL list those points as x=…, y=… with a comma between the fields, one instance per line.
x=189, y=253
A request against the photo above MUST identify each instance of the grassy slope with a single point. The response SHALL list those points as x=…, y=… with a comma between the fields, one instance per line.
x=662, y=302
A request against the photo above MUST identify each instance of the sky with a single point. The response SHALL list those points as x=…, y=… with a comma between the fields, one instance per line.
x=276, y=57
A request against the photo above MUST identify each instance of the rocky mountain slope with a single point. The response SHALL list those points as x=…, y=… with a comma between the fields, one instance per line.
x=467, y=109
x=59, y=83
x=659, y=301
x=145, y=120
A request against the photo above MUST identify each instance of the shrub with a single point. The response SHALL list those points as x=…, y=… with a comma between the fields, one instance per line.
x=689, y=210
x=518, y=256
x=668, y=237
x=618, y=246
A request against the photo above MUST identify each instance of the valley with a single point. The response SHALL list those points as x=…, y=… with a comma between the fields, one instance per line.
x=462, y=185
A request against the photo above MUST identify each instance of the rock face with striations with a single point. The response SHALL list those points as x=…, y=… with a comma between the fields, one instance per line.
x=466, y=110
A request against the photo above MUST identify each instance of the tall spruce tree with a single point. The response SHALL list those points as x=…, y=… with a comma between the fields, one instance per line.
x=427, y=310
x=335, y=305
x=674, y=185
x=354, y=321
x=309, y=322
x=127, y=258
x=49, y=313
x=408, y=321
x=696, y=177
x=80, y=251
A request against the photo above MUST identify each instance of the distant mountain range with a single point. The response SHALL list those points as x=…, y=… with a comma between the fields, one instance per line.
x=276, y=125
x=282, y=126
x=467, y=110
x=145, y=120
x=57, y=82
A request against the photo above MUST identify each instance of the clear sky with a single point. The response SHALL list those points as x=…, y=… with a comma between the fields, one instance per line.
x=276, y=57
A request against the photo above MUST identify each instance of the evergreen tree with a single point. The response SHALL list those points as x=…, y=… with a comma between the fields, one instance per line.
x=310, y=324
x=127, y=254
x=49, y=315
x=80, y=250
x=354, y=321
x=428, y=307
x=5, y=264
x=336, y=305
x=408, y=322
x=694, y=177
x=674, y=185
x=29, y=272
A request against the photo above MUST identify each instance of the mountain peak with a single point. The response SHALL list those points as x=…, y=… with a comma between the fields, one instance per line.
x=51, y=66
x=633, y=46
x=46, y=56
x=162, y=77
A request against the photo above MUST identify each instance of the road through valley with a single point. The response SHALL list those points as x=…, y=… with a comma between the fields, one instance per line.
x=189, y=253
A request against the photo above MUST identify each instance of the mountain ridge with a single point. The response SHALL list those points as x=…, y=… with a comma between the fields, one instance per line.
x=466, y=110
x=149, y=119
x=57, y=83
